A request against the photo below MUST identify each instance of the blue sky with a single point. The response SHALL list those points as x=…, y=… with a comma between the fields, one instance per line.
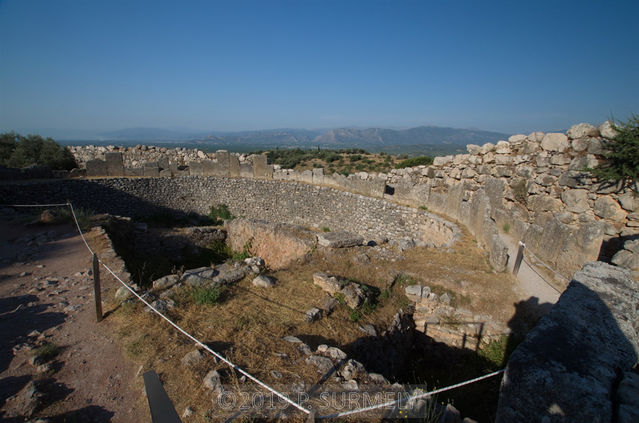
x=510, y=66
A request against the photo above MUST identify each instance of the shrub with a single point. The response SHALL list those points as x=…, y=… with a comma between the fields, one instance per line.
x=221, y=211
x=621, y=155
x=18, y=151
x=207, y=295
x=326, y=229
x=47, y=351
x=414, y=161
x=506, y=227
x=355, y=315
x=245, y=253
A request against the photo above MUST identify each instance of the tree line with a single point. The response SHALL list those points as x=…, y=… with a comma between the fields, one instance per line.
x=18, y=151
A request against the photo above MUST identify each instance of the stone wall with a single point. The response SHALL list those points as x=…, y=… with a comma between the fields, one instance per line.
x=532, y=187
x=274, y=201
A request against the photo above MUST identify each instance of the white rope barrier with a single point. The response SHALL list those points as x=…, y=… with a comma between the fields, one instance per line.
x=424, y=395
x=77, y=225
x=35, y=205
x=540, y=262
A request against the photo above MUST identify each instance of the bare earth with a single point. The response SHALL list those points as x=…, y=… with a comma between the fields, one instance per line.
x=44, y=287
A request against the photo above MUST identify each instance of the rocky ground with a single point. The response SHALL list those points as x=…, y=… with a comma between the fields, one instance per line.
x=56, y=362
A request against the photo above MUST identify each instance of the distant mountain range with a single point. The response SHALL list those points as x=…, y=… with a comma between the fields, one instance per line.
x=341, y=137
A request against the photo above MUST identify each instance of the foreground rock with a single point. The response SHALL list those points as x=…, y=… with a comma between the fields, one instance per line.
x=568, y=366
x=263, y=281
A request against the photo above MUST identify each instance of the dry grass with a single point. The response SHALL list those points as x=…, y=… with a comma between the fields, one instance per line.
x=247, y=326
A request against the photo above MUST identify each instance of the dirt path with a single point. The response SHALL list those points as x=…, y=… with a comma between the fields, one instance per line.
x=46, y=297
x=530, y=283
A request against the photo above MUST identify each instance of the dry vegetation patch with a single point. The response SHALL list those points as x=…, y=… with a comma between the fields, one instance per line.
x=247, y=323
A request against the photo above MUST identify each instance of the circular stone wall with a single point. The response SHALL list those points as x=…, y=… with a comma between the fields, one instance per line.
x=274, y=201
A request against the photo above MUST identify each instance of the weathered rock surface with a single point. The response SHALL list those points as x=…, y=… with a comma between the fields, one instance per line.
x=264, y=281
x=200, y=276
x=213, y=381
x=339, y=239
x=192, y=358
x=566, y=368
x=582, y=130
x=323, y=364
x=165, y=282
x=328, y=283
x=278, y=244
x=555, y=142
x=313, y=314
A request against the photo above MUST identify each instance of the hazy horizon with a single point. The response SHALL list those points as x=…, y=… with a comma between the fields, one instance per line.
x=510, y=67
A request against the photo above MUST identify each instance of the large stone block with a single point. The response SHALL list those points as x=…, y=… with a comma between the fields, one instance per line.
x=114, y=164
x=567, y=368
x=234, y=166
x=96, y=168
x=555, y=142
x=151, y=169
x=318, y=176
x=260, y=167
x=582, y=130
x=222, y=163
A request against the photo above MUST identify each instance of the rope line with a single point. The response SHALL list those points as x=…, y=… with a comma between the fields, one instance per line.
x=34, y=205
x=77, y=225
x=546, y=266
x=424, y=395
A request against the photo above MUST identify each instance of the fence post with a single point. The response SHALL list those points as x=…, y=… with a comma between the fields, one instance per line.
x=96, y=287
x=520, y=257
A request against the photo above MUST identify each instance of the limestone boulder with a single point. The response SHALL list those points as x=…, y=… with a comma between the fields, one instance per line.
x=312, y=314
x=607, y=208
x=580, y=144
x=530, y=147
x=199, y=277
x=576, y=200
x=322, y=364
x=517, y=139
x=192, y=358
x=264, y=281
x=555, y=142
x=353, y=294
x=582, y=130
x=607, y=131
x=627, y=259
x=473, y=149
x=629, y=202
x=502, y=147
x=443, y=160
x=339, y=239
x=165, y=282
x=328, y=283
x=487, y=148
x=577, y=352
x=213, y=381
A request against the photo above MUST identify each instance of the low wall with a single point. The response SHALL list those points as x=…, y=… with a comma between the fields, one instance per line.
x=269, y=200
